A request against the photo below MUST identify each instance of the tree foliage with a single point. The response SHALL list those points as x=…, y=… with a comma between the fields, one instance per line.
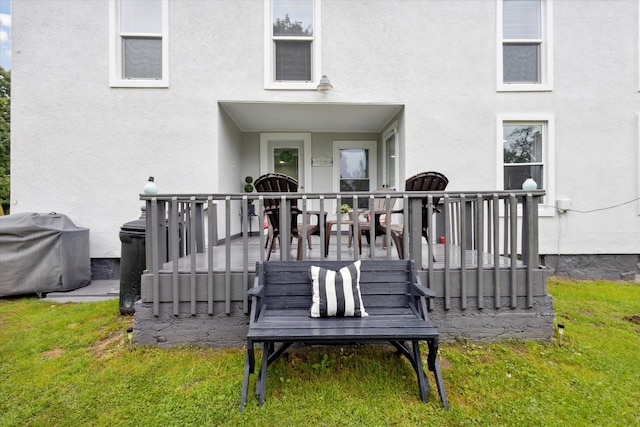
x=5, y=133
x=286, y=27
x=520, y=145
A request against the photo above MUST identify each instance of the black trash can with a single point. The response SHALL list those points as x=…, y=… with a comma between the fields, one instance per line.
x=133, y=262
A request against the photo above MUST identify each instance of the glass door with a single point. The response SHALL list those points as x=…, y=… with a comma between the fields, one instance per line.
x=285, y=153
x=355, y=170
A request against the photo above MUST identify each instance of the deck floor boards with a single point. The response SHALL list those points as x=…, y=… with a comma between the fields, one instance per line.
x=253, y=255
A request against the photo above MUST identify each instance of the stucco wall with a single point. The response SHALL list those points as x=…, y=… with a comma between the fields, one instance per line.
x=84, y=149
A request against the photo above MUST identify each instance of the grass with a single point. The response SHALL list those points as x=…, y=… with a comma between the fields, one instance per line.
x=70, y=364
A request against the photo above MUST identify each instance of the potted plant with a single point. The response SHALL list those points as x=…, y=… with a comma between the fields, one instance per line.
x=344, y=210
x=248, y=188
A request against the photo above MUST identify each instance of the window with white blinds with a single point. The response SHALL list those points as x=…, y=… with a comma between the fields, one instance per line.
x=292, y=44
x=139, y=43
x=524, y=36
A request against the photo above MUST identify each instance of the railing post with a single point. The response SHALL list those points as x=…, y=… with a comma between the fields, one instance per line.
x=415, y=230
x=530, y=242
x=155, y=254
x=285, y=230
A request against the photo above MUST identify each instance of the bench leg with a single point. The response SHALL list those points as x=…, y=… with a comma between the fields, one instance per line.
x=248, y=370
x=261, y=383
x=434, y=366
x=423, y=384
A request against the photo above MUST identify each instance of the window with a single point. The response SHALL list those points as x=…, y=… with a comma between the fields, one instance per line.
x=292, y=50
x=525, y=39
x=522, y=154
x=526, y=151
x=138, y=43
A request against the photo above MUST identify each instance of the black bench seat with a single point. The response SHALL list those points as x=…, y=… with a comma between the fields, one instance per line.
x=391, y=294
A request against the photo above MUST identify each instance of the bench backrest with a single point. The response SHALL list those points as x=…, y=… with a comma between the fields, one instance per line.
x=384, y=283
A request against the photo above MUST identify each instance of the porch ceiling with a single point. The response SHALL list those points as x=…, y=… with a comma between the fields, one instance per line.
x=317, y=117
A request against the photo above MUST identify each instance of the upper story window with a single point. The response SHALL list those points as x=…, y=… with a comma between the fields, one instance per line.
x=525, y=41
x=292, y=50
x=139, y=43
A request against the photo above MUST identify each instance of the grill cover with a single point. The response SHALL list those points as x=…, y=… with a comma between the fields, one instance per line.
x=42, y=253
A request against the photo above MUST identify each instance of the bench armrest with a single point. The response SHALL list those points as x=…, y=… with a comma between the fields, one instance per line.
x=422, y=291
x=256, y=291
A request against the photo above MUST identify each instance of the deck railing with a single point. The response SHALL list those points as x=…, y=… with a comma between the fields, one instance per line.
x=471, y=231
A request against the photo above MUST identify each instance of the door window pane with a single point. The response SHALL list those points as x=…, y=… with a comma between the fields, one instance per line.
x=354, y=173
x=285, y=161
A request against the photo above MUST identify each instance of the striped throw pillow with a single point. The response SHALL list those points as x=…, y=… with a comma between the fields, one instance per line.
x=336, y=293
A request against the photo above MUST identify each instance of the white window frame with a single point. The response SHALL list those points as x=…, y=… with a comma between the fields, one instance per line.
x=115, y=50
x=548, y=150
x=265, y=154
x=391, y=132
x=269, y=52
x=546, y=52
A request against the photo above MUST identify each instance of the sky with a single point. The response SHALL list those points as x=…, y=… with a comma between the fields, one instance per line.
x=5, y=34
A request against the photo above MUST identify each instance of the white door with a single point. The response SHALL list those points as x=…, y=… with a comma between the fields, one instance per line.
x=287, y=153
x=355, y=169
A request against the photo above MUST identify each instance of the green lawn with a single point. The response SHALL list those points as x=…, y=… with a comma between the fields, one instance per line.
x=70, y=364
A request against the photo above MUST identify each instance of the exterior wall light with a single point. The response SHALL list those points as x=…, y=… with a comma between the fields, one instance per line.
x=325, y=85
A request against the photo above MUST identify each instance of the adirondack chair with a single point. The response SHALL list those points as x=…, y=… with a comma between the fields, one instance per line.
x=424, y=181
x=280, y=183
x=364, y=227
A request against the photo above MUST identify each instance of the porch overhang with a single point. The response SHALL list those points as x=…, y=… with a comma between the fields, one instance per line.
x=251, y=116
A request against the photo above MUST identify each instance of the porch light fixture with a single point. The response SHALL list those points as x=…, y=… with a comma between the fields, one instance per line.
x=325, y=85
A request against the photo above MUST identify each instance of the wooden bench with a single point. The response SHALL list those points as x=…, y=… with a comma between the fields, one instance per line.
x=392, y=296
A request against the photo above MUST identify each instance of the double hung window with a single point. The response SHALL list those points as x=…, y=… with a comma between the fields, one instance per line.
x=292, y=49
x=524, y=36
x=139, y=43
x=526, y=151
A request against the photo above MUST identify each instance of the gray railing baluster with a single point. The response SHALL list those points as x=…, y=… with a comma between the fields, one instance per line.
x=496, y=250
x=194, y=254
x=513, y=219
x=323, y=230
x=174, y=246
x=227, y=261
x=211, y=223
x=245, y=253
x=479, y=248
x=463, y=252
x=447, y=260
